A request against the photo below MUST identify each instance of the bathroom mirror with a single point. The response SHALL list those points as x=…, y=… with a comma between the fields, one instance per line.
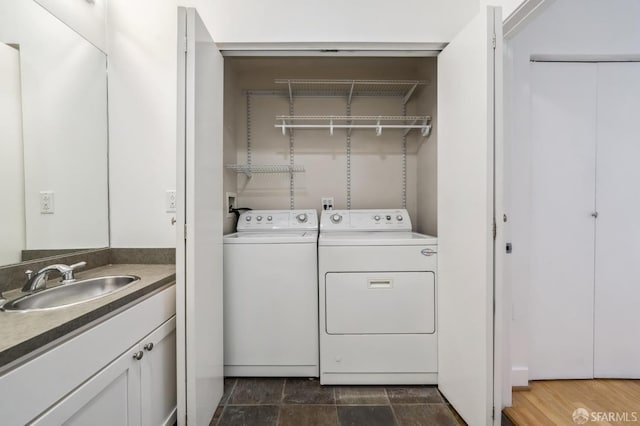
x=53, y=125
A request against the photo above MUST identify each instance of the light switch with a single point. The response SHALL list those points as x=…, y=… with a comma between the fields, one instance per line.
x=46, y=202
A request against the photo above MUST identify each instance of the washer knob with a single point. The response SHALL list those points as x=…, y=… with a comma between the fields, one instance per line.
x=376, y=217
x=269, y=218
x=247, y=218
x=336, y=218
x=302, y=217
x=259, y=218
x=399, y=217
x=388, y=217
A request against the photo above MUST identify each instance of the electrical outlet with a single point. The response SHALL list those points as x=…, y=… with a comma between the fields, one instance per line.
x=46, y=202
x=327, y=203
x=171, y=201
x=231, y=203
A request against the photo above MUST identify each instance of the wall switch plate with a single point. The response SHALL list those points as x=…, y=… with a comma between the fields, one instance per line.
x=171, y=201
x=230, y=204
x=327, y=203
x=46, y=202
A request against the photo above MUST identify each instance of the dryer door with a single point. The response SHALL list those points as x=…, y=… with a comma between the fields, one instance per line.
x=380, y=303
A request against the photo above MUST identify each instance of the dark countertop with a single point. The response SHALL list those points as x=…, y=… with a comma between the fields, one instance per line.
x=24, y=332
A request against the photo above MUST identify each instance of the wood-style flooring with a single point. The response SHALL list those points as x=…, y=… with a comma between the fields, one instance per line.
x=554, y=402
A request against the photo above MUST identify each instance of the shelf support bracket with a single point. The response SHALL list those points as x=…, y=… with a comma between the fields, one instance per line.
x=353, y=85
x=406, y=132
x=378, y=128
x=409, y=93
x=331, y=127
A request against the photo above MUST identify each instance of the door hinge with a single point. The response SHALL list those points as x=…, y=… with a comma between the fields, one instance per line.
x=185, y=231
x=493, y=41
x=186, y=44
x=495, y=229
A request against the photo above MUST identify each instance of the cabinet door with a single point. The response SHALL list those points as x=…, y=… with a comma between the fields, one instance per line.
x=469, y=88
x=617, y=287
x=158, y=376
x=111, y=397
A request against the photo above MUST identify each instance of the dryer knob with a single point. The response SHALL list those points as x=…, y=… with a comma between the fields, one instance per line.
x=269, y=218
x=336, y=218
x=388, y=217
x=376, y=217
x=259, y=218
x=302, y=217
x=247, y=218
x=399, y=217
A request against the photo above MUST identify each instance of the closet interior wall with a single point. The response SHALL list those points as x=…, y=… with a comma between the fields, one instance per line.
x=376, y=161
x=229, y=181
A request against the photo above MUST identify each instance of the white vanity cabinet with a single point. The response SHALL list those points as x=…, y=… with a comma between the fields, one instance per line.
x=137, y=388
x=121, y=371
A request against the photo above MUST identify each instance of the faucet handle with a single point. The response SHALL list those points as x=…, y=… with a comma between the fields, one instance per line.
x=78, y=265
x=28, y=273
x=67, y=275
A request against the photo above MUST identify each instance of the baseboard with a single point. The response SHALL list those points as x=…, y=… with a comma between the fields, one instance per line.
x=519, y=376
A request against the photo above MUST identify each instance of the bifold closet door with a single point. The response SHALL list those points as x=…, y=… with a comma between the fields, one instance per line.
x=563, y=155
x=617, y=268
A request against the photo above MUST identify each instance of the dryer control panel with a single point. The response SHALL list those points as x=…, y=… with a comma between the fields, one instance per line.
x=365, y=220
x=272, y=220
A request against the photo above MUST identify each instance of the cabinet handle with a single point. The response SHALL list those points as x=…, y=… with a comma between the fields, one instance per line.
x=138, y=355
x=148, y=346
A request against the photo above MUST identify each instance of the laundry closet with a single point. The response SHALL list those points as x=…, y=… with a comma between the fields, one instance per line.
x=298, y=129
x=356, y=130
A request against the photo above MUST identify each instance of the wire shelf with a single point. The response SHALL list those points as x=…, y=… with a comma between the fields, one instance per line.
x=267, y=168
x=377, y=122
x=351, y=88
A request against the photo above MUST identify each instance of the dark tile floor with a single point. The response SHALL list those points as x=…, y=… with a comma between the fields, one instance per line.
x=303, y=402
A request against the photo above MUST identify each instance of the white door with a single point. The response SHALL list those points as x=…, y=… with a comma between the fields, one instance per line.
x=199, y=219
x=563, y=140
x=617, y=286
x=469, y=71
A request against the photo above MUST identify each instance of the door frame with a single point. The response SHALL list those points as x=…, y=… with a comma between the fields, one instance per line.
x=502, y=290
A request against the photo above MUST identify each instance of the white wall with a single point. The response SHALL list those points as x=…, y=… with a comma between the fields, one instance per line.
x=230, y=182
x=87, y=17
x=141, y=42
x=567, y=27
x=12, y=226
x=426, y=220
x=335, y=20
x=64, y=128
x=142, y=121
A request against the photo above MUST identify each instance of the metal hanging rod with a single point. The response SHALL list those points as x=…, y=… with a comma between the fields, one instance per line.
x=267, y=168
x=331, y=122
x=351, y=88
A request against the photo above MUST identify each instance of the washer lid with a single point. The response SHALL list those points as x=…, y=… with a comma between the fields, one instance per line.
x=282, y=237
x=375, y=238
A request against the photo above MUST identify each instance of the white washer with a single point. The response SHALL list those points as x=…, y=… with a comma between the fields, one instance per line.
x=271, y=295
x=377, y=299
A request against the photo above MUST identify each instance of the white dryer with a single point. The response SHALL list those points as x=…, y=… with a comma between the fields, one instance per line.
x=271, y=295
x=378, y=290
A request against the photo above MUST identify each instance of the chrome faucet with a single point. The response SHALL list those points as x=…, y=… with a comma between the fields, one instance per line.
x=38, y=281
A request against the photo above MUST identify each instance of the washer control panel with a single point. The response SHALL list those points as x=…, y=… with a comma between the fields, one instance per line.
x=265, y=220
x=365, y=220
